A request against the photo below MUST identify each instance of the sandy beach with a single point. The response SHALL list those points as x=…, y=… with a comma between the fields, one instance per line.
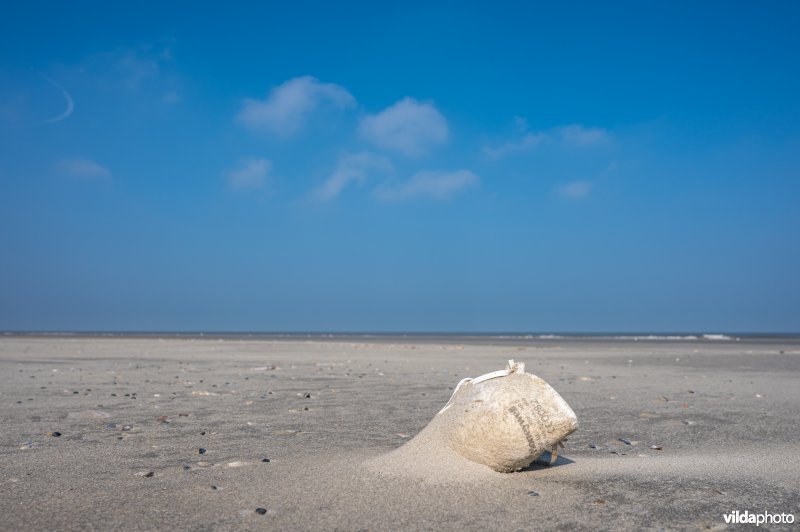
x=199, y=432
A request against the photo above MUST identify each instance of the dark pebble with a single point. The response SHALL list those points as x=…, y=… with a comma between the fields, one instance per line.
x=150, y=474
x=592, y=446
x=201, y=450
x=203, y=433
x=261, y=511
x=265, y=460
x=213, y=487
x=533, y=493
x=56, y=434
x=307, y=395
x=625, y=441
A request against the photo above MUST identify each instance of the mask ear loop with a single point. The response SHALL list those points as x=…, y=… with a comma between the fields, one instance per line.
x=513, y=367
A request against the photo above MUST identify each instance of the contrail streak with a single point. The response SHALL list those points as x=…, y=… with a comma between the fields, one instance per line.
x=67, y=97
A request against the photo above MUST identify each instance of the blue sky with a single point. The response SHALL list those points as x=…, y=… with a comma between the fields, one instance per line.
x=474, y=167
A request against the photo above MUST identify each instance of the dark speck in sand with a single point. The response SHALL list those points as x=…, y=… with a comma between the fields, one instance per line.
x=533, y=493
x=150, y=474
x=201, y=450
x=592, y=446
x=625, y=441
x=265, y=460
x=55, y=433
x=213, y=487
x=261, y=511
x=307, y=395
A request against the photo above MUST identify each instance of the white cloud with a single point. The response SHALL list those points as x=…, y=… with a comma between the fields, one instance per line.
x=528, y=142
x=134, y=70
x=575, y=190
x=130, y=69
x=289, y=105
x=577, y=135
x=249, y=174
x=431, y=184
x=408, y=126
x=352, y=167
x=574, y=135
x=144, y=74
x=81, y=168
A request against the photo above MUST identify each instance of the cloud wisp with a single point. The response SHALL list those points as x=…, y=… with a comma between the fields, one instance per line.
x=352, y=167
x=526, y=143
x=578, y=135
x=573, y=135
x=288, y=106
x=437, y=185
x=70, y=104
x=409, y=127
x=249, y=174
x=81, y=168
x=576, y=190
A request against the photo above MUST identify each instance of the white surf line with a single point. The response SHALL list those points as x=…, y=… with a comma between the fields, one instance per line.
x=70, y=103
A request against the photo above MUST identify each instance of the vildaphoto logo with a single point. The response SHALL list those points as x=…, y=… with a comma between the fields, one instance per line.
x=750, y=518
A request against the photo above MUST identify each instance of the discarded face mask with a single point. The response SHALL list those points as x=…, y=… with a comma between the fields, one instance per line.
x=505, y=419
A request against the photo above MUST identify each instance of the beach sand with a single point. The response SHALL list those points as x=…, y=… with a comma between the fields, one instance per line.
x=133, y=414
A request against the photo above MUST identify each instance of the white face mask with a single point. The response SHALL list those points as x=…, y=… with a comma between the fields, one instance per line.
x=505, y=420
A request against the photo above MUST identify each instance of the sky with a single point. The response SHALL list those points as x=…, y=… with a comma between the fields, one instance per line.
x=413, y=166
